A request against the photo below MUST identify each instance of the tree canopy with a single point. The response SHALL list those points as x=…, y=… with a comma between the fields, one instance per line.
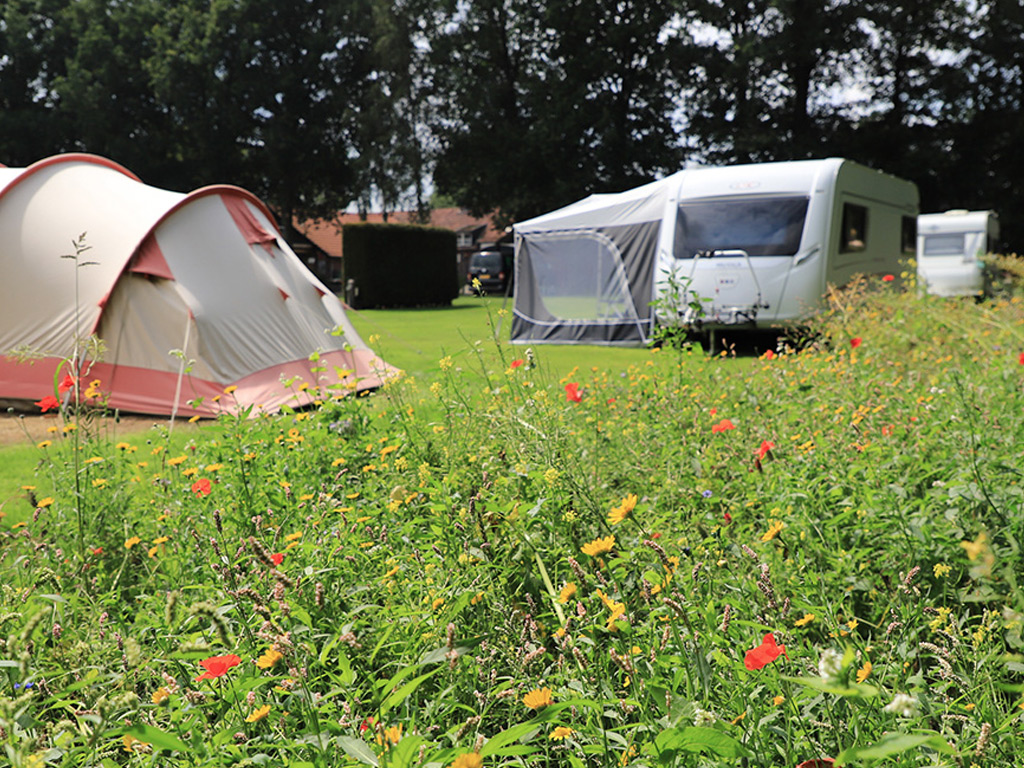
x=515, y=106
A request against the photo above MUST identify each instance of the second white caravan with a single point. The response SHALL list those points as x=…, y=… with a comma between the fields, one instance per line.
x=949, y=250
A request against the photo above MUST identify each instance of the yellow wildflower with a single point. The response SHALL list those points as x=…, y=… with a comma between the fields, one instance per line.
x=177, y=460
x=567, y=592
x=229, y=390
x=293, y=536
x=773, y=530
x=468, y=760
x=778, y=700
x=941, y=569
x=538, y=698
x=807, y=619
x=561, y=732
x=599, y=546
x=392, y=735
x=269, y=659
x=45, y=502
x=44, y=444
x=160, y=695
x=863, y=672
x=129, y=543
x=619, y=513
x=258, y=714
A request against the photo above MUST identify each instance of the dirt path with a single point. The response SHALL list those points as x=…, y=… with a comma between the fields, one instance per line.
x=19, y=428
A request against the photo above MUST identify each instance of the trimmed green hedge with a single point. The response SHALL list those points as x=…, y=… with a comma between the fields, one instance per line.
x=398, y=265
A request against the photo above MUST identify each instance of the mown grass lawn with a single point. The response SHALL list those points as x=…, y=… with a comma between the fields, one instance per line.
x=626, y=558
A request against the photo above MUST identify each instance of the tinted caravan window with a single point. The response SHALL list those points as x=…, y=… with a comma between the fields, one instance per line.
x=943, y=245
x=854, y=236
x=760, y=226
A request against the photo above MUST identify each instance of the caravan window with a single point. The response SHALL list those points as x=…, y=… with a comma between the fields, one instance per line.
x=759, y=226
x=943, y=245
x=855, y=228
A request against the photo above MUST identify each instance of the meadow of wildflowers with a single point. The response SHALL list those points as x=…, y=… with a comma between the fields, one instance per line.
x=804, y=558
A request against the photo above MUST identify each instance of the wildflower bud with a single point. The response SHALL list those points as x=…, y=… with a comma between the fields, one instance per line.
x=577, y=569
x=250, y=699
x=318, y=595
x=578, y=655
x=56, y=631
x=261, y=551
x=726, y=616
x=171, y=607
x=750, y=553
x=660, y=552
x=450, y=639
x=979, y=748
x=696, y=570
x=623, y=662
x=217, y=522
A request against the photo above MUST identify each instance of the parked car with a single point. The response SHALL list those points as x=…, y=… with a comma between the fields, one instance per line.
x=493, y=268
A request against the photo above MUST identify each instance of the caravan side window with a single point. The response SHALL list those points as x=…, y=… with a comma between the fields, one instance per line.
x=855, y=228
x=909, y=235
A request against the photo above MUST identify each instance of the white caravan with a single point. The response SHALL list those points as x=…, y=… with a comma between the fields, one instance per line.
x=949, y=250
x=758, y=245
x=751, y=245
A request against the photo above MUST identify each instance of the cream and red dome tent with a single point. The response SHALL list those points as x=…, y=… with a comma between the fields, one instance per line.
x=190, y=294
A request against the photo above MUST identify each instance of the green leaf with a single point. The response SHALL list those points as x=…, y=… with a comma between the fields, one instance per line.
x=895, y=744
x=507, y=736
x=357, y=750
x=697, y=739
x=858, y=690
x=159, y=739
x=396, y=697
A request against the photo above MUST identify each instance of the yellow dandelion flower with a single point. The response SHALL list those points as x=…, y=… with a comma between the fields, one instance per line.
x=774, y=529
x=161, y=539
x=229, y=390
x=122, y=446
x=175, y=461
x=438, y=602
x=477, y=598
x=45, y=502
x=154, y=550
x=621, y=512
x=567, y=593
x=44, y=444
x=863, y=672
x=561, y=732
x=392, y=735
x=337, y=462
x=190, y=471
x=194, y=419
x=293, y=536
x=807, y=619
x=269, y=659
x=214, y=467
x=390, y=573
x=258, y=714
x=129, y=543
x=133, y=745
x=468, y=760
x=160, y=695
x=94, y=460
x=599, y=546
x=22, y=524
x=28, y=487
x=306, y=497
x=778, y=700
x=538, y=698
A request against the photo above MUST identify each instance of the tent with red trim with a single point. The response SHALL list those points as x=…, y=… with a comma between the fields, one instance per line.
x=191, y=294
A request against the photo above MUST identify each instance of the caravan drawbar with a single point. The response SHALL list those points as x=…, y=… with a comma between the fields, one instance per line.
x=752, y=245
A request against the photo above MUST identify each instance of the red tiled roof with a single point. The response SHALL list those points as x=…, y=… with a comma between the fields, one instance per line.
x=326, y=233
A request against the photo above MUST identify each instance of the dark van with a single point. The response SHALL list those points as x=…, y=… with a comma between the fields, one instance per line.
x=493, y=268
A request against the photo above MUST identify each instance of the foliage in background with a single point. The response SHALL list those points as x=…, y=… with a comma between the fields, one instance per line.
x=514, y=106
x=694, y=561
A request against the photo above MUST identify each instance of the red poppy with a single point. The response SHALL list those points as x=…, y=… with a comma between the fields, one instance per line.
x=572, y=392
x=277, y=558
x=764, y=654
x=765, y=449
x=722, y=426
x=713, y=411
x=202, y=487
x=1021, y=358
x=516, y=363
x=367, y=722
x=47, y=403
x=216, y=666
x=769, y=355
x=726, y=519
x=820, y=762
x=888, y=429
x=66, y=384
x=97, y=551
x=855, y=342
x=888, y=278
